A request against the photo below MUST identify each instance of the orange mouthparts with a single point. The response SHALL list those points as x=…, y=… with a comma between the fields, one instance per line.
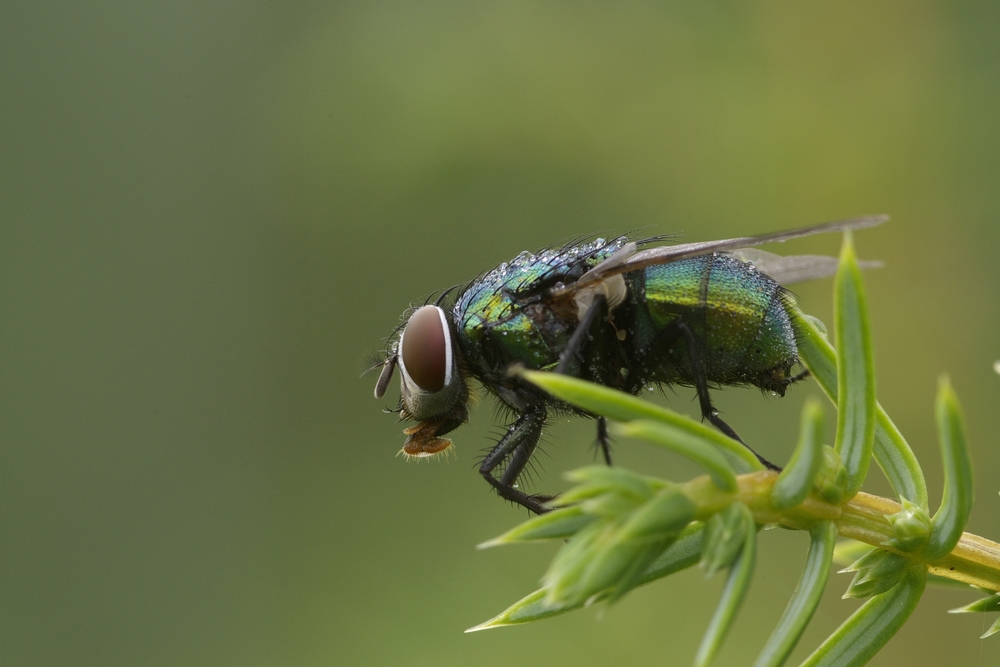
x=422, y=441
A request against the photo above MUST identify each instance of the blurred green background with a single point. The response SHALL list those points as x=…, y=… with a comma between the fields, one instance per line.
x=212, y=211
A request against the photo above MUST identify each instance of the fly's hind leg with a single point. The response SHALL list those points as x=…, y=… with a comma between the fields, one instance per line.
x=701, y=385
x=603, y=439
x=798, y=376
x=516, y=447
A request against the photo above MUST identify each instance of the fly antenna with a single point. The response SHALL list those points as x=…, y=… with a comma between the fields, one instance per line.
x=388, y=366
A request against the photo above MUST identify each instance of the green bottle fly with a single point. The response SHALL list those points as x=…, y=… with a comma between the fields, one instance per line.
x=698, y=314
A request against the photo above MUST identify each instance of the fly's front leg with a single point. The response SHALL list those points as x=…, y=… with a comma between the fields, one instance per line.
x=701, y=385
x=516, y=447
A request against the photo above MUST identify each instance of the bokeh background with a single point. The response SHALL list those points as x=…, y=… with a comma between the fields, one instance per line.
x=211, y=211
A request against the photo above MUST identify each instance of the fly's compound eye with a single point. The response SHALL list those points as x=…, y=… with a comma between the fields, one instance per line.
x=425, y=348
x=431, y=385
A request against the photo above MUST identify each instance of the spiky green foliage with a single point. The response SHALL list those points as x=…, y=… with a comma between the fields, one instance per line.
x=622, y=530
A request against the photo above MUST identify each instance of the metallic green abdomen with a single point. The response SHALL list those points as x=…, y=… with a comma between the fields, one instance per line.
x=736, y=315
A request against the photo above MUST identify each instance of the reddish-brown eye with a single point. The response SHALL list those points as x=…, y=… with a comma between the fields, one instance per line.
x=424, y=349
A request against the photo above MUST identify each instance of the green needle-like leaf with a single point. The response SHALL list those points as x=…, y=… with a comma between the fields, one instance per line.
x=796, y=480
x=888, y=570
x=869, y=628
x=805, y=599
x=599, y=479
x=683, y=443
x=622, y=407
x=892, y=452
x=956, y=503
x=737, y=585
x=725, y=534
x=562, y=580
x=830, y=482
x=855, y=370
x=533, y=607
x=992, y=603
x=558, y=524
x=995, y=628
x=667, y=513
x=681, y=555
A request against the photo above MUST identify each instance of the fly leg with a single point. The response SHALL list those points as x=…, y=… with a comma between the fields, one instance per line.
x=574, y=348
x=603, y=440
x=517, y=446
x=574, y=351
x=701, y=385
x=799, y=376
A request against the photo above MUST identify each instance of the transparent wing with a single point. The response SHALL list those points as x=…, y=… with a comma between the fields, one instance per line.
x=791, y=269
x=619, y=264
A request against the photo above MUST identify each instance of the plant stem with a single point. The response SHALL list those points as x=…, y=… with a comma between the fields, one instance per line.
x=974, y=560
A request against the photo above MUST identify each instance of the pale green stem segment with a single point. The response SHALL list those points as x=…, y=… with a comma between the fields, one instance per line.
x=735, y=591
x=855, y=370
x=872, y=625
x=622, y=407
x=682, y=554
x=796, y=480
x=805, y=599
x=683, y=443
x=892, y=452
x=956, y=502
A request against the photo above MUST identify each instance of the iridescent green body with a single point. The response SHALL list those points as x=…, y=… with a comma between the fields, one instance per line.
x=736, y=316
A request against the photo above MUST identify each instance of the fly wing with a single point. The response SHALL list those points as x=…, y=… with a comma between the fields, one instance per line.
x=617, y=264
x=790, y=269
